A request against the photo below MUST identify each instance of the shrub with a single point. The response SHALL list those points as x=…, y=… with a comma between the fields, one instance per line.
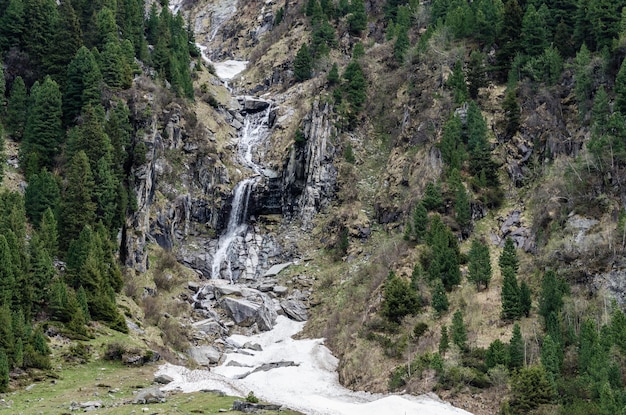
x=251, y=398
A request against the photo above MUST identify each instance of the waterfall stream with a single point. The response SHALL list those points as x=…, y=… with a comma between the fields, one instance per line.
x=253, y=132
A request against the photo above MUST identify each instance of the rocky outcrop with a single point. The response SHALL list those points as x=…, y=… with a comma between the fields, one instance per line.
x=180, y=187
x=309, y=176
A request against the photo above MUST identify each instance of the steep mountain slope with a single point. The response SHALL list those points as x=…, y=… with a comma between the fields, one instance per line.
x=388, y=151
x=438, y=184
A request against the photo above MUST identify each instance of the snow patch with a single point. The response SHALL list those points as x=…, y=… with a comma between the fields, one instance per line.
x=311, y=387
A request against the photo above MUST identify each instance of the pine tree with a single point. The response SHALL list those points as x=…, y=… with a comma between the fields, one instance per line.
x=457, y=83
x=476, y=74
x=81, y=298
x=15, y=120
x=83, y=85
x=77, y=208
x=401, y=44
x=4, y=372
x=620, y=89
x=2, y=91
x=451, y=145
x=41, y=272
x=444, y=342
x=497, y=354
x=459, y=332
x=510, y=35
x=7, y=339
x=399, y=299
x=525, y=299
x=583, y=78
x=357, y=19
x=356, y=86
x=551, y=297
x=479, y=264
x=115, y=70
x=48, y=232
x=510, y=295
x=530, y=388
x=439, y=297
x=508, y=257
x=419, y=223
x=43, y=134
x=432, y=200
x=563, y=39
x=39, y=25
x=587, y=345
x=105, y=193
x=534, y=34
x=333, y=75
x=550, y=359
x=41, y=194
x=512, y=113
x=462, y=210
x=12, y=25
x=7, y=273
x=489, y=21
x=303, y=64
x=516, y=348
x=66, y=39
x=90, y=137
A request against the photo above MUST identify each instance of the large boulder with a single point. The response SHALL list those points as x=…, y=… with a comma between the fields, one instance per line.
x=150, y=395
x=243, y=312
x=294, y=309
x=205, y=355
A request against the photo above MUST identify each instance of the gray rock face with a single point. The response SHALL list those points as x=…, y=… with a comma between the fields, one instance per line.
x=205, y=355
x=294, y=309
x=309, y=177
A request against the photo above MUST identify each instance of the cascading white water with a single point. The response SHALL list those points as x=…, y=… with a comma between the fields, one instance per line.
x=254, y=131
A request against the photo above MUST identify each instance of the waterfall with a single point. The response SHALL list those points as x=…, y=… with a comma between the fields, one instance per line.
x=254, y=131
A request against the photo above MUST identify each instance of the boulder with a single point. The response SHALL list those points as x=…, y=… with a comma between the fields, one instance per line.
x=294, y=309
x=280, y=290
x=150, y=395
x=253, y=104
x=276, y=269
x=193, y=286
x=209, y=326
x=253, y=346
x=243, y=312
x=205, y=355
x=253, y=408
x=163, y=379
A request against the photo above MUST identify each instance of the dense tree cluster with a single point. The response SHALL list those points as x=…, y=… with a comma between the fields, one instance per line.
x=76, y=150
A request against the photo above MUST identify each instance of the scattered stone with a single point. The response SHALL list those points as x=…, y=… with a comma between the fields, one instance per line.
x=163, y=379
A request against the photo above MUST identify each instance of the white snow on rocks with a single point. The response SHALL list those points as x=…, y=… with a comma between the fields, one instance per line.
x=311, y=387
